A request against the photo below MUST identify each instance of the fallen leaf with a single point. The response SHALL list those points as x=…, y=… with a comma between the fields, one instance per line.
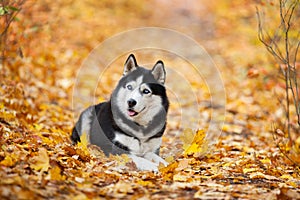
x=82, y=149
x=55, y=174
x=247, y=170
x=168, y=171
x=41, y=161
x=145, y=183
x=187, y=138
x=181, y=178
x=123, y=187
x=83, y=144
x=253, y=73
x=79, y=179
x=169, y=159
x=199, y=145
x=9, y=160
x=182, y=164
x=286, y=176
x=258, y=175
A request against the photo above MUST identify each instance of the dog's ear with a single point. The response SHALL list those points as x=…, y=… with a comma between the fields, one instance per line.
x=159, y=72
x=130, y=65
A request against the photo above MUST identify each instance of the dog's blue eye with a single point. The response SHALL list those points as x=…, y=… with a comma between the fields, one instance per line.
x=146, y=91
x=129, y=87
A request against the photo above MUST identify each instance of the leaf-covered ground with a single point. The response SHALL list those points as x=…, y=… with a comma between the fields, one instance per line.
x=37, y=159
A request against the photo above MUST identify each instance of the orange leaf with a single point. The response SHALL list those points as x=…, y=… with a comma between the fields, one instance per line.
x=55, y=174
x=8, y=161
x=168, y=171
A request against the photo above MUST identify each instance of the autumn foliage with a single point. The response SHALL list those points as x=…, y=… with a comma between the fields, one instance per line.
x=38, y=159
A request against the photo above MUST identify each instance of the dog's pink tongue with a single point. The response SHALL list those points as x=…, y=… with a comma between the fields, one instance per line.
x=131, y=113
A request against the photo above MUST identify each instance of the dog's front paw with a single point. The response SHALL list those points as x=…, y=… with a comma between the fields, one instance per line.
x=155, y=158
x=144, y=164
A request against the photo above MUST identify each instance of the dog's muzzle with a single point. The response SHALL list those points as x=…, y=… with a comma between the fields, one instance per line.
x=131, y=103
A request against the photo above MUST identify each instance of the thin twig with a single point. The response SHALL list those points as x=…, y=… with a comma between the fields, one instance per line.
x=270, y=46
x=290, y=47
x=296, y=84
x=286, y=27
x=8, y=20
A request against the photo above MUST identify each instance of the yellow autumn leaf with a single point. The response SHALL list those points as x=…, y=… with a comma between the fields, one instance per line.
x=8, y=161
x=187, y=138
x=6, y=115
x=199, y=145
x=145, y=183
x=292, y=183
x=80, y=196
x=286, y=176
x=41, y=161
x=180, y=178
x=169, y=159
x=122, y=159
x=45, y=140
x=257, y=175
x=266, y=161
x=55, y=174
x=168, y=171
x=193, y=148
x=83, y=144
x=248, y=170
x=37, y=127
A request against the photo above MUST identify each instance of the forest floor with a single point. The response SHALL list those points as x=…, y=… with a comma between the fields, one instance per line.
x=38, y=105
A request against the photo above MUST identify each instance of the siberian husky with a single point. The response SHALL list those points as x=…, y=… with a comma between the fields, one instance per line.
x=133, y=120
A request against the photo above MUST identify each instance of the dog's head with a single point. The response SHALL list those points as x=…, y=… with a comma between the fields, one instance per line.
x=140, y=95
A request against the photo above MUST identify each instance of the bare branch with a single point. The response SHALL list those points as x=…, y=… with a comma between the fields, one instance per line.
x=297, y=101
x=264, y=38
x=8, y=19
x=284, y=48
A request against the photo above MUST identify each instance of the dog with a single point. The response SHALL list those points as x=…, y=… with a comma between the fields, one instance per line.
x=133, y=120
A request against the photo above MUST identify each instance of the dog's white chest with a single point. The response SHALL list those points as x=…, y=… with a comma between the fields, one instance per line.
x=138, y=147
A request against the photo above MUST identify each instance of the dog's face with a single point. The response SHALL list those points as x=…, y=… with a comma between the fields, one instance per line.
x=140, y=94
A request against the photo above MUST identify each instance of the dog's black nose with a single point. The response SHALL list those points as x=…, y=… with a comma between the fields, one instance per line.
x=131, y=103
